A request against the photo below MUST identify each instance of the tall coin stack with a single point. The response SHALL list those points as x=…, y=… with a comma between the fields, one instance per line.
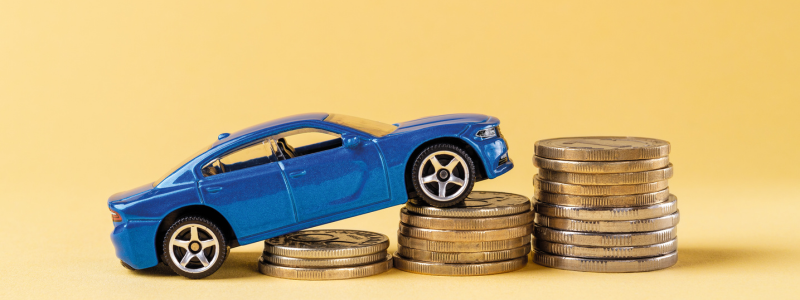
x=325, y=255
x=603, y=205
x=489, y=233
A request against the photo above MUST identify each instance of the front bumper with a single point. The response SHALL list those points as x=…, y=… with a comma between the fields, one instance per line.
x=134, y=242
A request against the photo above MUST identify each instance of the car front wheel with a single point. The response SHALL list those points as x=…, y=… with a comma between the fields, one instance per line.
x=194, y=247
x=443, y=175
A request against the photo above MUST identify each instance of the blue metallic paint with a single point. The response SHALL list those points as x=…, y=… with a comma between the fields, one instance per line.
x=285, y=196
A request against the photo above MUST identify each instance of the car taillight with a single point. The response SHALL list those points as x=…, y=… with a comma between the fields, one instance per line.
x=115, y=216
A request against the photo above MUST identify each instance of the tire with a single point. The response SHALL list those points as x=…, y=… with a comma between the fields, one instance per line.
x=427, y=176
x=127, y=266
x=194, y=247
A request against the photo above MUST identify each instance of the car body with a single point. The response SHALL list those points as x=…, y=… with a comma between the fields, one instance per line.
x=366, y=170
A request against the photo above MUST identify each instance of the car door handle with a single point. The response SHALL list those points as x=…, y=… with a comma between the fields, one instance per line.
x=214, y=189
x=297, y=174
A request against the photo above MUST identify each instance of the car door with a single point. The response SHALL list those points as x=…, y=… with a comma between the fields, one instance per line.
x=247, y=187
x=336, y=179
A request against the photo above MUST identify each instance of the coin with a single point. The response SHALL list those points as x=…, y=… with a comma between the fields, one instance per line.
x=462, y=257
x=323, y=262
x=466, y=223
x=477, y=246
x=607, y=179
x=434, y=268
x=605, y=265
x=465, y=235
x=332, y=243
x=605, y=239
x=608, y=213
x=595, y=167
x=477, y=204
x=325, y=273
x=609, y=226
x=607, y=252
x=598, y=190
x=602, y=148
x=602, y=201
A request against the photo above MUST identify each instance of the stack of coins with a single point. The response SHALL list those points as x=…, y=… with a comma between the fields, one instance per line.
x=325, y=255
x=489, y=233
x=603, y=205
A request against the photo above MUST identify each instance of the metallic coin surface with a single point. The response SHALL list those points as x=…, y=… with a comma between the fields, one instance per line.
x=643, y=225
x=434, y=268
x=325, y=273
x=607, y=179
x=465, y=235
x=602, y=201
x=602, y=148
x=608, y=213
x=462, y=257
x=605, y=239
x=323, y=262
x=598, y=190
x=477, y=246
x=478, y=204
x=607, y=252
x=465, y=223
x=333, y=243
x=605, y=265
x=603, y=167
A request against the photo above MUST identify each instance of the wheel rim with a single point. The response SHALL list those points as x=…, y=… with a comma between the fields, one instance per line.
x=191, y=246
x=443, y=182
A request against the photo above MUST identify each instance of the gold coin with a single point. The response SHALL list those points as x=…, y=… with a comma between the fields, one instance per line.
x=603, y=167
x=465, y=223
x=609, y=226
x=600, y=239
x=477, y=246
x=598, y=190
x=477, y=205
x=325, y=273
x=607, y=179
x=605, y=265
x=465, y=235
x=602, y=148
x=434, y=268
x=608, y=213
x=332, y=243
x=602, y=201
x=323, y=262
x=462, y=257
x=607, y=252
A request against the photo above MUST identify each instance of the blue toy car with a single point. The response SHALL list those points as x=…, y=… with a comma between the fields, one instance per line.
x=270, y=179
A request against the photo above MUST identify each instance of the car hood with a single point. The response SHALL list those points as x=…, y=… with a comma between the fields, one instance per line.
x=131, y=192
x=441, y=120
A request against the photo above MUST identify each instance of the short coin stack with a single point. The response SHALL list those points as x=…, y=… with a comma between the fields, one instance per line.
x=325, y=255
x=489, y=233
x=603, y=205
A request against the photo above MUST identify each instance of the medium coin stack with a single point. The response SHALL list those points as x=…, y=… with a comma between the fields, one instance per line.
x=489, y=233
x=603, y=205
x=326, y=255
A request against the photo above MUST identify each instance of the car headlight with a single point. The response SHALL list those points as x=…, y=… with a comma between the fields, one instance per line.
x=487, y=133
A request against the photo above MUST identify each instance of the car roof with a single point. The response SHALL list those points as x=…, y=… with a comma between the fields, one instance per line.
x=273, y=123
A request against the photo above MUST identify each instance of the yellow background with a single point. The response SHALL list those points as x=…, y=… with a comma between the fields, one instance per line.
x=102, y=96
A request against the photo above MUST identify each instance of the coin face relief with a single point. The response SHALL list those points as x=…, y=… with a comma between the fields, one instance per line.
x=602, y=148
x=327, y=243
x=477, y=204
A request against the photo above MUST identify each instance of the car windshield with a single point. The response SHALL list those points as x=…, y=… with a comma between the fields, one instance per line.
x=173, y=169
x=374, y=128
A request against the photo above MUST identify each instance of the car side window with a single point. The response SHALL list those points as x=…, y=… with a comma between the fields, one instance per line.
x=252, y=155
x=305, y=141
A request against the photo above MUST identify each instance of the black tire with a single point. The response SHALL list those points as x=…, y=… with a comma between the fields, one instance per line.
x=454, y=193
x=208, y=242
x=127, y=266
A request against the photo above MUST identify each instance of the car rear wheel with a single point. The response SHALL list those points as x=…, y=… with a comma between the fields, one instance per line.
x=194, y=247
x=443, y=175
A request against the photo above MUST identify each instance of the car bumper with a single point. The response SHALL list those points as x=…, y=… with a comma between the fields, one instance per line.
x=134, y=243
x=496, y=159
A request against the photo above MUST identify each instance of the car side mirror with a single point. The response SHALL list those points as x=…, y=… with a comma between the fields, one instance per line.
x=350, y=142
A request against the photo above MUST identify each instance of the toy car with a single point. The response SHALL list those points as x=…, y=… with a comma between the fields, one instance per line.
x=254, y=184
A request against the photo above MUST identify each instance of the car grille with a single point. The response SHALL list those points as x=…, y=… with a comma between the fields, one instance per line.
x=503, y=161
